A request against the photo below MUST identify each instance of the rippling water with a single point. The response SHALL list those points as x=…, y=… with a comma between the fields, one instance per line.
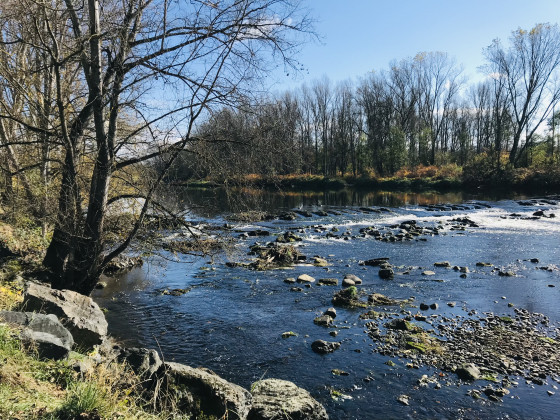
x=232, y=319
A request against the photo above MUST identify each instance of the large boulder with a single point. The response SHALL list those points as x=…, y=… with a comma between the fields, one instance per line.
x=275, y=399
x=44, y=332
x=78, y=313
x=199, y=390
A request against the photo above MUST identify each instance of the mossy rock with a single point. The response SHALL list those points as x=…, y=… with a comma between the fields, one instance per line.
x=371, y=315
x=416, y=346
x=348, y=298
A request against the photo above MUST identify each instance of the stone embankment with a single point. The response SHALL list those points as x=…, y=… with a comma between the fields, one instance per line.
x=58, y=321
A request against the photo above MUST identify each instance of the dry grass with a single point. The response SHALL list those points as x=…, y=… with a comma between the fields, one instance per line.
x=430, y=171
x=44, y=389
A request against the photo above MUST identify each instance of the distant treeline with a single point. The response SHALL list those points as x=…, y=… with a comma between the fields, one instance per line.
x=419, y=111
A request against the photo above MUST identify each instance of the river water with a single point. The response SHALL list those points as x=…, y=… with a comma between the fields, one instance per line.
x=232, y=319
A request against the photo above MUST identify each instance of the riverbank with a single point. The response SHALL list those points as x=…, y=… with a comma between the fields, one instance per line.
x=82, y=385
x=418, y=179
x=58, y=362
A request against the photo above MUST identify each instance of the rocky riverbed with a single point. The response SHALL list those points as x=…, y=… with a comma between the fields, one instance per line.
x=406, y=308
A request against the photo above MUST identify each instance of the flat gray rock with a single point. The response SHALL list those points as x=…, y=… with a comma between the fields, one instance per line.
x=44, y=332
x=275, y=399
x=199, y=390
x=78, y=313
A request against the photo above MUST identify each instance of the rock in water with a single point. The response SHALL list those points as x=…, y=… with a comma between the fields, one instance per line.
x=468, y=372
x=348, y=282
x=403, y=399
x=275, y=399
x=444, y=264
x=305, y=278
x=324, y=347
x=320, y=262
x=379, y=299
x=324, y=320
x=353, y=278
x=331, y=312
x=328, y=282
x=122, y=264
x=78, y=313
x=386, y=273
x=198, y=391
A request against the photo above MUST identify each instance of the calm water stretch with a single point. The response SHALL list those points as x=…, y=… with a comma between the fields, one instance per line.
x=232, y=319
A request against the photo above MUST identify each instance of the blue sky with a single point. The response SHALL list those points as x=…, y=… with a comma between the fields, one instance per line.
x=359, y=36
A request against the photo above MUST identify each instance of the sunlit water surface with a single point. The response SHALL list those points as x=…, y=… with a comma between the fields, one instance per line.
x=232, y=319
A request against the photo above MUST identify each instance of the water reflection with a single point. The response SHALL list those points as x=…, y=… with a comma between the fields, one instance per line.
x=217, y=201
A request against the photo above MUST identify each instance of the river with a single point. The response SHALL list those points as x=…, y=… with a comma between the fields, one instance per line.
x=232, y=319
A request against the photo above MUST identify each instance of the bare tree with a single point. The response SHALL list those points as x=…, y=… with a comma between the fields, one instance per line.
x=530, y=69
x=438, y=82
x=401, y=81
x=157, y=64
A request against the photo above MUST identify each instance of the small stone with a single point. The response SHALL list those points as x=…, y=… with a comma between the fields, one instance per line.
x=501, y=392
x=320, y=262
x=339, y=372
x=328, y=282
x=348, y=282
x=434, y=306
x=290, y=280
x=353, y=278
x=323, y=320
x=331, y=312
x=444, y=264
x=468, y=372
x=484, y=264
x=403, y=399
x=386, y=273
x=508, y=273
x=424, y=307
x=324, y=347
x=428, y=273
x=305, y=278
x=451, y=304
